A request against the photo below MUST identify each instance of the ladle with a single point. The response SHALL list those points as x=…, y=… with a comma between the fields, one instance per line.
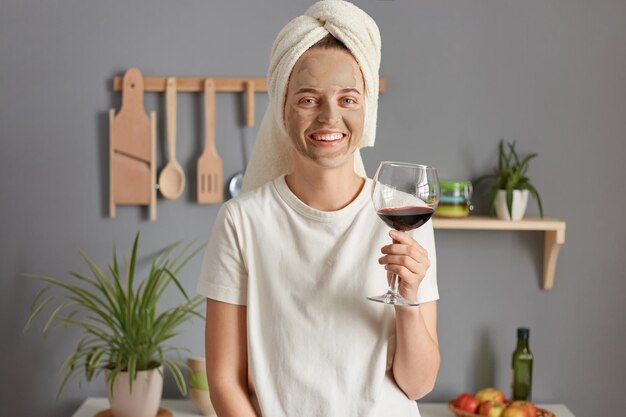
x=236, y=181
x=172, y=177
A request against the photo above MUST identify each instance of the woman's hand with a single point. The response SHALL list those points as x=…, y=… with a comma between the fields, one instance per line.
x=408, y=259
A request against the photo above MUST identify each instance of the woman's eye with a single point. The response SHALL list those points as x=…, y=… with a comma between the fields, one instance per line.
x=349, y=100
x=307, y=101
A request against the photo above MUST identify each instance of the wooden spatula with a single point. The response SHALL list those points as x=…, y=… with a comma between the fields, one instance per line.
x=210, y=174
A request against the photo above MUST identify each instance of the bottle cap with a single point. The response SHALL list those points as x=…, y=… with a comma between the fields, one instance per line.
x=522, y=332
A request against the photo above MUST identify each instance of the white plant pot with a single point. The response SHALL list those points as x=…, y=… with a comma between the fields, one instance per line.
x=520, y=200
x=145, y=398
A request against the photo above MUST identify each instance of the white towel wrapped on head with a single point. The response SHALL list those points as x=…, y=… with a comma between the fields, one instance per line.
x=272, y=156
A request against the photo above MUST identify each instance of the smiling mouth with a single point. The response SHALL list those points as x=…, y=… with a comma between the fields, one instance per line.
x=327, y=137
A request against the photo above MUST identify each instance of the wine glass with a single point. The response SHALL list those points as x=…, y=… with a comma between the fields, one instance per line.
x=405, y=197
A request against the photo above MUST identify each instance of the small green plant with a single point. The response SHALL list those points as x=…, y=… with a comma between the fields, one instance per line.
x=509, y=175
x=123, y=332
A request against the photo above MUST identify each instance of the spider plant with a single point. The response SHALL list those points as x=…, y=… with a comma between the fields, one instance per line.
x=122, y=329
x=509, y=175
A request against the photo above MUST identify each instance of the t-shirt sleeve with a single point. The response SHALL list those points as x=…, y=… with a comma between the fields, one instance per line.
x=428, y=290
x=223, y=276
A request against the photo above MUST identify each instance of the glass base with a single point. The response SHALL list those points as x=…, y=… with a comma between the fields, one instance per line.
x=393, y=299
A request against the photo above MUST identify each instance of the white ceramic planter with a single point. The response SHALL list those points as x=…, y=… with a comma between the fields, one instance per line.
x=145, y=398
x=198, y=387
x=520, y=200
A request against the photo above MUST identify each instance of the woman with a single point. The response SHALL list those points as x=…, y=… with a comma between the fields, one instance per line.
x=289, y=263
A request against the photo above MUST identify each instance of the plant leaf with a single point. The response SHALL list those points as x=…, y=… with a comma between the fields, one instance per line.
x=525, y=163
x=178, y=376
x=54, y=314
x=177, y=283
x=132, y=371
x=93, y=362
x=100, y=276
x=112, y=377
x=513, y=153
x=37, y=311
x=115, y=266
x=536, y=196
x=68, y=376
x=131, y=276
x=178, y=267
x=40, y=294
x=501, y=155
x=182, y=253
x=509, y=199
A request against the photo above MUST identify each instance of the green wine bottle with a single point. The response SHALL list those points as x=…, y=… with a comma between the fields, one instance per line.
x=522, y=367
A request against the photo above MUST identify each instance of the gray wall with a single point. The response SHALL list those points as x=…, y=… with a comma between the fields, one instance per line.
x=461, y=74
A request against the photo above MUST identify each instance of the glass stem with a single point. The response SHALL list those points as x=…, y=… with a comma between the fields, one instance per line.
x=395, y=284
x=395, y=280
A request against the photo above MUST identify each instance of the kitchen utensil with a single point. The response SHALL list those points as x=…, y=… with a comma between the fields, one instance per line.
x=236, y=181
x=172, y=177
x=132, y=149
x=210, y=175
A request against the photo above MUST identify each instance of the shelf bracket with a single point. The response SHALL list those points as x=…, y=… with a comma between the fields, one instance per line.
x=553, y=229
x=552, y=244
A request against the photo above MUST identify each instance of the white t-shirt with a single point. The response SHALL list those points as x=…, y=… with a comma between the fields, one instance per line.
x=316, y=346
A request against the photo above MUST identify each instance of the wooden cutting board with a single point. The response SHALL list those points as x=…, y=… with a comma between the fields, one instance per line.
x=132, y=149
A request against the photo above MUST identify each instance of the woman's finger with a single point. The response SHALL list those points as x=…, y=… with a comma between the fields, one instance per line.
x=414, y=272
x=402, y=237
x=416, y=252
x=406, y=261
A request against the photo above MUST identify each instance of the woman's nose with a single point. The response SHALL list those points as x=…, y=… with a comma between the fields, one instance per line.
x=329, y=114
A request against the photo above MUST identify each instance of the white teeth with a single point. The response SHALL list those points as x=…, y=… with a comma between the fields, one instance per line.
x=332, y=136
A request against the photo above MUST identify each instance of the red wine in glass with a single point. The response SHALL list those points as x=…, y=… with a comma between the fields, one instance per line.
x=405, y=218
x=404, y=196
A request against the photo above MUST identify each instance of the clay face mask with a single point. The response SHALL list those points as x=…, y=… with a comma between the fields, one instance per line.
x=324, y=106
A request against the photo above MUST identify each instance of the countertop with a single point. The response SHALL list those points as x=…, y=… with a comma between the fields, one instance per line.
x=185, y=408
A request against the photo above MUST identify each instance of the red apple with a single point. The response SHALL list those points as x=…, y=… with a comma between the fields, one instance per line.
x=515, y=411
x=530, y=408
x=491, y=409
x=490, y=394
x=466, y=402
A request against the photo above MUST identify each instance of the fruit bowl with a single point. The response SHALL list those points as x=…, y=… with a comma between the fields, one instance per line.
x=541, y=412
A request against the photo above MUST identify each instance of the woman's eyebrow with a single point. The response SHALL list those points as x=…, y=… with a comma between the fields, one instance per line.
x=316, y=91
x=307, y=90
x=350, y=90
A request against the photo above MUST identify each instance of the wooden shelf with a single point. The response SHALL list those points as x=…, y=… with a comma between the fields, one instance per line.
x=554, y=230
x=196, y=84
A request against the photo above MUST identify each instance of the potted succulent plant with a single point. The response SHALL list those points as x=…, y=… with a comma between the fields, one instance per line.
x=510, y=184
x=124, y=335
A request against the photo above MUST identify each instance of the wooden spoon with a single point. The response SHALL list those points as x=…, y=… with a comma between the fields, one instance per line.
x=172, y=177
